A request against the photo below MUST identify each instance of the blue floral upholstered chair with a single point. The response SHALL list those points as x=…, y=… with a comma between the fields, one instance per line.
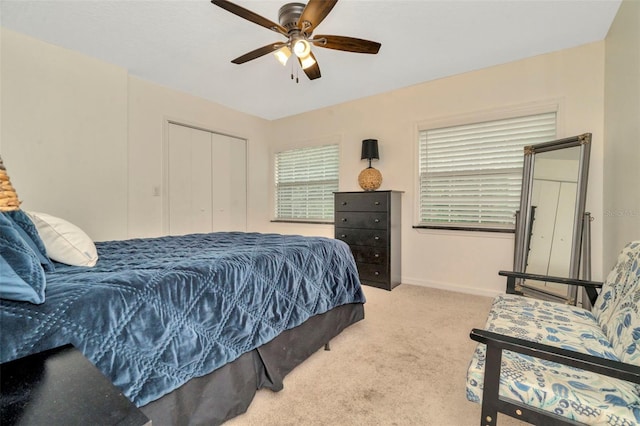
x=550, y=363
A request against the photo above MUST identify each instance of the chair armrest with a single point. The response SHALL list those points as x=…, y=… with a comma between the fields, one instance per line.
x=607, y=367
x=559, y=280
x=589, y=286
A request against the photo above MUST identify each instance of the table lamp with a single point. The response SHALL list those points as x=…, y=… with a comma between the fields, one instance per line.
x=370, y=178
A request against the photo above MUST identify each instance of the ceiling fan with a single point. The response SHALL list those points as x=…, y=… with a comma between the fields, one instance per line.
x=297, y=23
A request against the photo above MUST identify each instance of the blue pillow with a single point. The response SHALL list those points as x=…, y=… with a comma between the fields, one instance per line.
x=28, y=231
x=22, y=276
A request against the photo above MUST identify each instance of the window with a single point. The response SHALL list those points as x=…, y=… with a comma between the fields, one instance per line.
x=305, y=182
x=471, y=175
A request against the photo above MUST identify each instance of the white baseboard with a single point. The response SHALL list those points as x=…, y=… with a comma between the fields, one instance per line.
x=452, y=287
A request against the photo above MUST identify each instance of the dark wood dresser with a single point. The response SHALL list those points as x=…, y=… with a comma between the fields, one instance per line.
x=370, y=223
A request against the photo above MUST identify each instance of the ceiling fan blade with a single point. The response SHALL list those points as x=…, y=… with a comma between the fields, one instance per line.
x=261, y=51
x=314, y=13
x=313, y=71
x=250, y=16
x=348, y=44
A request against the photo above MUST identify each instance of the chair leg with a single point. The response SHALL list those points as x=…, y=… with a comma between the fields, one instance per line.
x=490, y=392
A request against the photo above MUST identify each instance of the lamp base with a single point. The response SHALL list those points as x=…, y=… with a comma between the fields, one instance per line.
x=370, y=179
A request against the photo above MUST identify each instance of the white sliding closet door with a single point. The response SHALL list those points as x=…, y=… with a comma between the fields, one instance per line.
x=563, y=236
x=190, y=195
x=550, y=246
x=545, y=199
x=229, y=183
x=206, y=181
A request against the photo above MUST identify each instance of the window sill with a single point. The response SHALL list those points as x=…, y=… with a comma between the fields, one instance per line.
x=307, y=222
x=465, y=228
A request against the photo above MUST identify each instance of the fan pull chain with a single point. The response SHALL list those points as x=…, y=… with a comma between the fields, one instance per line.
x=297, y=81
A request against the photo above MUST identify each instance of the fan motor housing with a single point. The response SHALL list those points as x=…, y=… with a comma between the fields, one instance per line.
x=289, y=14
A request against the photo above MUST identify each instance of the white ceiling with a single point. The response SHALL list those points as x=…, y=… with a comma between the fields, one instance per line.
x=188, y=44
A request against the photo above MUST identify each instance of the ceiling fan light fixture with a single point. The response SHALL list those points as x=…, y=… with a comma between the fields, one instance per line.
x=282, y=55
x=307, y=61
x=301, y=48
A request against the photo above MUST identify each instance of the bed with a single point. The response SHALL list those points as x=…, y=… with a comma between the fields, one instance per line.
x=189, y=327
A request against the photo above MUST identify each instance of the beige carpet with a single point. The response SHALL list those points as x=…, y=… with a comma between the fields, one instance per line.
x=404, y=364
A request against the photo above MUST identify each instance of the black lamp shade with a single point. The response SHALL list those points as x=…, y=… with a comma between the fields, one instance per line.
x=370, y=149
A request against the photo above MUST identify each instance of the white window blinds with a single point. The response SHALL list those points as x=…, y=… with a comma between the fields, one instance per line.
x=305, y=182
x=471, y=175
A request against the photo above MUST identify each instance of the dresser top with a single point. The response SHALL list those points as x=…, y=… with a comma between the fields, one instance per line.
x=366, y=192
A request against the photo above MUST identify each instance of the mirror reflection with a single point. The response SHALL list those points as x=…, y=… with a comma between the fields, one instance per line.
x=553, y=200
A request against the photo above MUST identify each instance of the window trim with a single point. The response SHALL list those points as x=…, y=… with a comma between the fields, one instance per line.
x=303, y=222
x=507, y=112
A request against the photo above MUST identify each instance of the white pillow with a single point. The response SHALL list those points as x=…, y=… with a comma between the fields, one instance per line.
x=64, y=242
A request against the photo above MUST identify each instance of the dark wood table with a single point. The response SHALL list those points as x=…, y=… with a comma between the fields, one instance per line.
x=61, y=387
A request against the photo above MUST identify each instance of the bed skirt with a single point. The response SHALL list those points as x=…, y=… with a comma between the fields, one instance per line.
x=229, y=390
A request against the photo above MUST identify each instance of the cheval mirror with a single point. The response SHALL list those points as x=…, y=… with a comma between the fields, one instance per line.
x=552, y=228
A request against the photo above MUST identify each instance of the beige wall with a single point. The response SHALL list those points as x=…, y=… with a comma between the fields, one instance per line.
x=64, y=133
x=465, y=261
x=622, y=131
x=83, y=140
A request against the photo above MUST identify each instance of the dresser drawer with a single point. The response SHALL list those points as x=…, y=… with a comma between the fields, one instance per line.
x=362, y=201
x=362, y=237
x=365, y=254
x=369, y=272
x=366, y=220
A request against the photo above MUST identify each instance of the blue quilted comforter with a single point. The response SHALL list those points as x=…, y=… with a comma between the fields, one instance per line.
x=157, y=312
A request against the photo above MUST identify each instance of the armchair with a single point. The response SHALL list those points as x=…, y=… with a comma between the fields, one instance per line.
x=555, y=364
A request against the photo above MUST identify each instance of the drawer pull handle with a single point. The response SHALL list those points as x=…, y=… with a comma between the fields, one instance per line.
x=344, y=219
x=377, y=273
x=343, y=236
x=377, y=221
x=377, y=203
x=344, y=203
x=376, y=238
x=376, y=255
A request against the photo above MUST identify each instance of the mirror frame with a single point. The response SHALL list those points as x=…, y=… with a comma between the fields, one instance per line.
x=524, y=219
